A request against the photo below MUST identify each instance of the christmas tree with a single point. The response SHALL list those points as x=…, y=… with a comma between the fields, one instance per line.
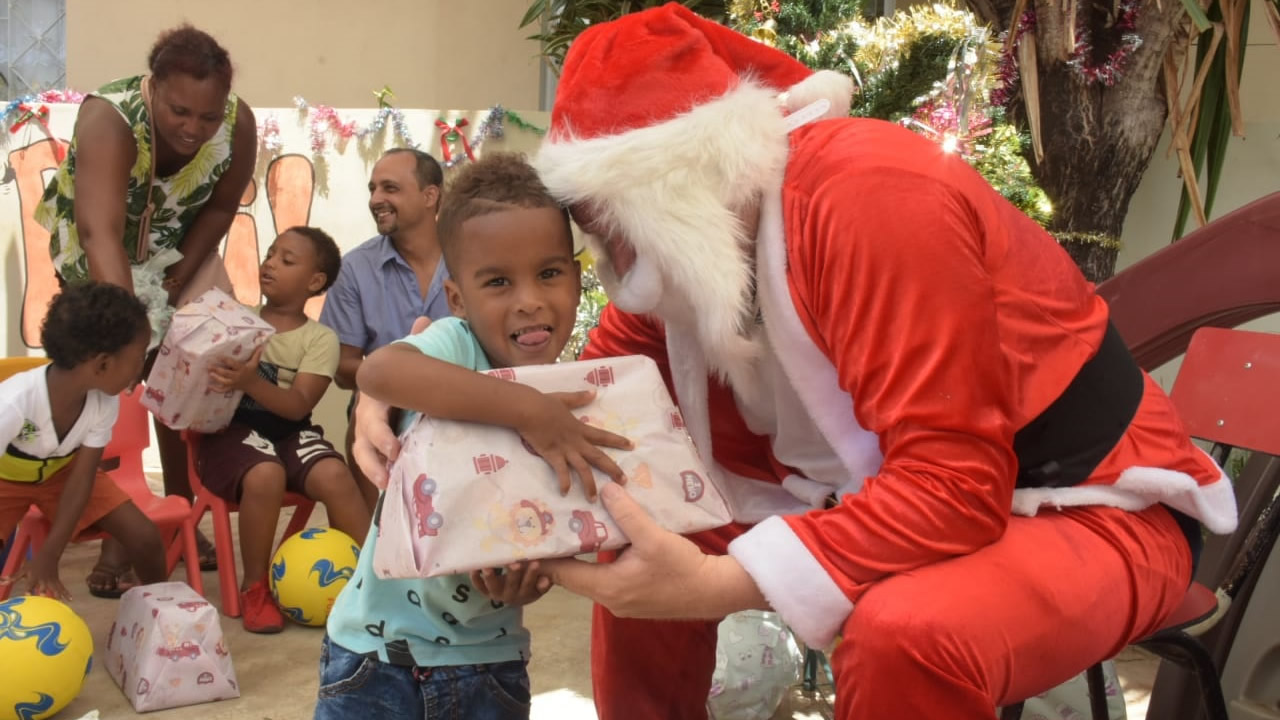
x=930, y=68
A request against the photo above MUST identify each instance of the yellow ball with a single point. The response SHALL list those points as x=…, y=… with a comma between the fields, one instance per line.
x=308, y=572
x=45, y=653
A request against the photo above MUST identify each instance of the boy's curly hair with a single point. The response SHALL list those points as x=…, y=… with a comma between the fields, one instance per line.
x=495, y=182
x=90, y=318
x=328, y=255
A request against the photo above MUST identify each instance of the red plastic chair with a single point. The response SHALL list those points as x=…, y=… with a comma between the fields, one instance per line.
x=224, y=546
x=1226, y=392
x=123, y=458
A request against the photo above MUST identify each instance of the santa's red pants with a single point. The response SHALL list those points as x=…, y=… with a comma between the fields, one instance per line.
x=1056, y=594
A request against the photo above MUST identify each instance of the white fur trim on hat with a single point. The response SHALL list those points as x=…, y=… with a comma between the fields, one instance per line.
x=675, y=190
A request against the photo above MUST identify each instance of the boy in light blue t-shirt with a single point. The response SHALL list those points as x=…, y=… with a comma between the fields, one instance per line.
x=439, y=647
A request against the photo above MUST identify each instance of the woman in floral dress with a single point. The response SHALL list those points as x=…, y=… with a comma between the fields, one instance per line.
x=174, y=149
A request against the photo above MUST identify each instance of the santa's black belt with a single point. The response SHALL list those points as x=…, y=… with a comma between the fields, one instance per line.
x=1063, y=445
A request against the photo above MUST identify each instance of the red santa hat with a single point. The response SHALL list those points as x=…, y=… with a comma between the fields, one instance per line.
x=667, y=124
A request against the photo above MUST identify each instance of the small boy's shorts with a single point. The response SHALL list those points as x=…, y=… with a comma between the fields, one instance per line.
x=17, y=497
x=225, y=457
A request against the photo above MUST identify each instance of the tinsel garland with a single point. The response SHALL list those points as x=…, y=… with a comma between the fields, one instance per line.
x=1110, y=70
x=1107, y=72
x=322, y=119
x=1101, y=239
x=70, y=97
x=1007, y=66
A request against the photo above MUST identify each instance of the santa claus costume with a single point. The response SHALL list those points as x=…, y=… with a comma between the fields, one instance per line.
x=935, y=445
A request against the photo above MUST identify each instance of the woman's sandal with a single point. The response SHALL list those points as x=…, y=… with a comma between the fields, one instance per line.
x=206, y=552
x=110, y=583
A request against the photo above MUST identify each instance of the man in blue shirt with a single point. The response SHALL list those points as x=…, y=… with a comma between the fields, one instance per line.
x=393, y=278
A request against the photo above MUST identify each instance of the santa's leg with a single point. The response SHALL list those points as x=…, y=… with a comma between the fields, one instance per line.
x=1054, y=595
x=655, y=669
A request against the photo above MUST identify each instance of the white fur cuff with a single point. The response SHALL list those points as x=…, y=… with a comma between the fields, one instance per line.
x=823, y=84
x=793, y=581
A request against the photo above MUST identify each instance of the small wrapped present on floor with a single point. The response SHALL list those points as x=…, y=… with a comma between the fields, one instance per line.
x=464, y=496
x=166, y=649
x=210, y=327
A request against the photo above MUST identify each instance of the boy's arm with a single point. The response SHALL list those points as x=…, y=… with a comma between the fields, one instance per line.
x=401, y=375
x=42, y=570
x=315, y=371
x=292, y=403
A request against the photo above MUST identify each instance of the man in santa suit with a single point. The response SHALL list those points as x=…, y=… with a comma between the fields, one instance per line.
x=934, y=444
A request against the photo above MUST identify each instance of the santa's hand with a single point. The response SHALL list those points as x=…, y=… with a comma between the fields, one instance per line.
x=375, y=445
x=661, y=575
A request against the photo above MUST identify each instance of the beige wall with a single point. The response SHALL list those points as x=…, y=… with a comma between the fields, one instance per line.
x=1252, y=169
x=336, y=52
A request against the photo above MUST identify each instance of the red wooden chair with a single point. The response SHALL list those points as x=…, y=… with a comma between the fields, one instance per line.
x=224, y=545
x=1227, y=392
x=123, y=458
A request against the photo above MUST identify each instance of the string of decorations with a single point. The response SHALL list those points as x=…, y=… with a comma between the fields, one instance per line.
x=1111, y=69
x=1107, y=72
x=44, y=96
x=323, y=122
x=1007, y=76
x=1106, y=240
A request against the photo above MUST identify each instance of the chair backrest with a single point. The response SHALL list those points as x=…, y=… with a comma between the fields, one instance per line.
x=1228, y=388
x=129, y=437
x=1228, y=391
x=11, y=366
x=1224, y=274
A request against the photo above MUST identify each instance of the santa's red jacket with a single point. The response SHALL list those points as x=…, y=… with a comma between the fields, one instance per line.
x=910, y=323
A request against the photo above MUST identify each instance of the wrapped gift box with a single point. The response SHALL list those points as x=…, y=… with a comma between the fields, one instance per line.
x=166, y=649
x=210, y=327
x=463, y=496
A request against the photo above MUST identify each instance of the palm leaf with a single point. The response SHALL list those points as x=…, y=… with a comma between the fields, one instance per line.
x=1272, y=10
x=1215, y=114
x=1229, y=120
x=1193, y=10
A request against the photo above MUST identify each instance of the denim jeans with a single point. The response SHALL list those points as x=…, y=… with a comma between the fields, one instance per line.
x=355, y=686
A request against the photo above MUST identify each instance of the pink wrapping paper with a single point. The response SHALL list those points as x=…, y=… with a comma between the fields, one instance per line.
x=166, y=649
x=212, y=326
x=463, y=496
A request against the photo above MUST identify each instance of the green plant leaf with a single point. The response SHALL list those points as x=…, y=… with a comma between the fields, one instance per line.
x=1213, y=123
x=539, y=7
x=1197, y=15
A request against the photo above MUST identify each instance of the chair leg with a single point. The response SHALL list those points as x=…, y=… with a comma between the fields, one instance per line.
x=1011, y=712
x=812, y=660
x=191, y=557
x=298, y=523
x=1097, y=693
x=1195, y=657
x=225, y=548
x=17, y=553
